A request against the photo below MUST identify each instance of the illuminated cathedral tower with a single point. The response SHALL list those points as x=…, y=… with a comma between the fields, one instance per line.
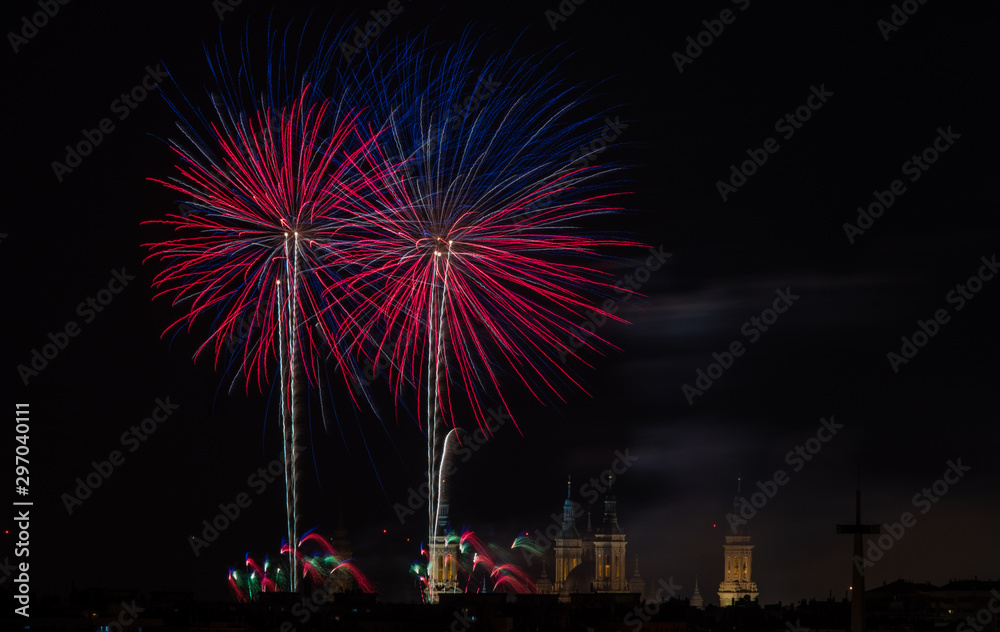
x=593, y=561
x=738, y=581
x=569, y=544
x=442, y=565
x=609, y=550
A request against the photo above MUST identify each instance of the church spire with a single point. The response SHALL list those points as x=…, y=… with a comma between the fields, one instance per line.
x=737, y=583
x=610, y=511
x=636, y=584
x=569, y=513
x=737, y=525
x=696, y=599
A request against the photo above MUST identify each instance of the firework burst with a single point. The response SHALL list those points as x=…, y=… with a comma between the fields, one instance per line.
x=472, y=258
x=268, y=183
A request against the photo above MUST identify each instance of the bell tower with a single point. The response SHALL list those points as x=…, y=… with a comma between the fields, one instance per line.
x=737, y=581
x=609, y=550
x=569, y=544
x=442, y=565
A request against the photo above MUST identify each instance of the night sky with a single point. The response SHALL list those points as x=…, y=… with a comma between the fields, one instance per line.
x=913, y=105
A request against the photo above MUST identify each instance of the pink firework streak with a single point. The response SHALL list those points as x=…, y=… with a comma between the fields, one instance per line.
x=327, y=564
x=269, y=199
x=269, y=205
x=471, y=291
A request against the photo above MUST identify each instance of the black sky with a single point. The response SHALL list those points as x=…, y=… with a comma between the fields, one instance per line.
x=826, y=356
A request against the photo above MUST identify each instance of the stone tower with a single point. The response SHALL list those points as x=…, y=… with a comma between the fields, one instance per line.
x=593, y=561
x=609, y=550
x=696, y=598
x=737, y=581
x=569, y=544
x=442, y=565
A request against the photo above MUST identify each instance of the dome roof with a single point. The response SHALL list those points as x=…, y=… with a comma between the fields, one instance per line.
x=580, y=579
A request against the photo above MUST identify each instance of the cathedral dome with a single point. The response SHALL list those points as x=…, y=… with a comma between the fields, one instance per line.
x=580, y=579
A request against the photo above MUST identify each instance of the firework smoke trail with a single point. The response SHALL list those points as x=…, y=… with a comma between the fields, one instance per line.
x=268, y=182
x=474, y=257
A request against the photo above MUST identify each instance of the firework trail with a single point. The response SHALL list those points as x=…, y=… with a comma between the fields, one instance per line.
x=247, y=585
x=473, y=256
x=481, y=567
x=326, y=567
x=321, y=567
x=268, y=181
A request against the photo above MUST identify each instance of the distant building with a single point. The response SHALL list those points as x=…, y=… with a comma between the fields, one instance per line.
x=442, y=566
x=636, y=584
x=696, y=599
x=591, y=562
x=902, y=604
x=738, y=583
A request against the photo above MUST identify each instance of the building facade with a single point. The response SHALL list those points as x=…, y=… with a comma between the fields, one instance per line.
x=592, y=561
x=737, y=583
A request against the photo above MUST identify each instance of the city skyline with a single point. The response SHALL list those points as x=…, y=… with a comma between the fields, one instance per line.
x=816, y=295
